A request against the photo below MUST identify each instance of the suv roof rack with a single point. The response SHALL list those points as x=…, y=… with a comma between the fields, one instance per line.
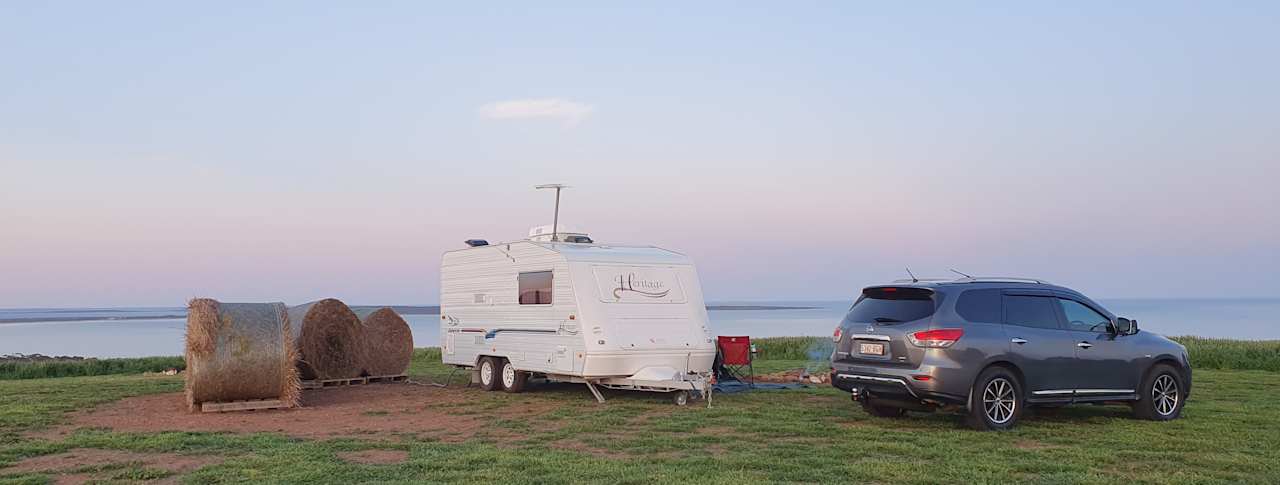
x=1001, y=279
x=920, y=280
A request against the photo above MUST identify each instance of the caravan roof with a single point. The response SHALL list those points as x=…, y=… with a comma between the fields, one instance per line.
x=604, y=253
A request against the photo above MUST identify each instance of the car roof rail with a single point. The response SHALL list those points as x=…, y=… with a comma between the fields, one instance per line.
x=919, y=280
x=1001, y=279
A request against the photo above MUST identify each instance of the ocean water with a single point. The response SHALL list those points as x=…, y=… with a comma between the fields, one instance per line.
x=137, y=332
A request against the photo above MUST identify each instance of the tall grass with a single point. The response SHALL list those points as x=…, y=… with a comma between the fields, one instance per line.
x=88, y=367
x=793, y=348
x=1205, y=353
x=1216, y=353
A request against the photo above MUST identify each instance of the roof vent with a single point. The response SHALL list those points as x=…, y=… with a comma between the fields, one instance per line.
x=544, y=234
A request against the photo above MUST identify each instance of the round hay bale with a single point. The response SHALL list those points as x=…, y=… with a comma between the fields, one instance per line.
x=327, y=336
x=387, y=343
x=239, y=351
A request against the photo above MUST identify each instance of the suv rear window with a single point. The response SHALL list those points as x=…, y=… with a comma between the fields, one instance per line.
x=982, y=306
x=892, y=305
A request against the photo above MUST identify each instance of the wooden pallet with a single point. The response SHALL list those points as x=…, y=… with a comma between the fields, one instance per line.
x=222, y=407
x=355, y=381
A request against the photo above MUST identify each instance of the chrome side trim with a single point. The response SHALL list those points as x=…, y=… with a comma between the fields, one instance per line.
x=863, y=336
x=1053, y=392
x=1060, y=392
x=880, y=379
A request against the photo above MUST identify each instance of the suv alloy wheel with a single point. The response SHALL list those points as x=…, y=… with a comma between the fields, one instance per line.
x=996, y=401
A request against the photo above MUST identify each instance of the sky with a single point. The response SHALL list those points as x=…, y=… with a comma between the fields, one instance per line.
x=151, y=152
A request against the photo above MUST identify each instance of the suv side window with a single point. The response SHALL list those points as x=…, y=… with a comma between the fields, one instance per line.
x=1030, y=311
x=982, y=306
x=1082, y=318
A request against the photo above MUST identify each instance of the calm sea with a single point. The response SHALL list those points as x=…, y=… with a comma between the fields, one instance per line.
x=136, y=332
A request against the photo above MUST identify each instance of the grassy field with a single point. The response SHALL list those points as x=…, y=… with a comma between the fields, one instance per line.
x=1206, y=353
x=1228, y=434
x=88, y=367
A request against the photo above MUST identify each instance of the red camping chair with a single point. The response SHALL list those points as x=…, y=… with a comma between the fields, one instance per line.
x=736, y=357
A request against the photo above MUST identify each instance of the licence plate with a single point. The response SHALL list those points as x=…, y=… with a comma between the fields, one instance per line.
x=871, y=349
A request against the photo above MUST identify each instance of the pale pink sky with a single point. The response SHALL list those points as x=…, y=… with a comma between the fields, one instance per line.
x=150, y=154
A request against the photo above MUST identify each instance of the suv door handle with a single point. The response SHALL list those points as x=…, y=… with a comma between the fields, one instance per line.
x=1019, y=341
x=1084, y=345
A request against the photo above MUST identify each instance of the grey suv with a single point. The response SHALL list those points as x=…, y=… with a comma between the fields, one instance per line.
x=991, y=347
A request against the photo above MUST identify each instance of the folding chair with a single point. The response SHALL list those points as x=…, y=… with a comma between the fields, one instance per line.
x=736, y=357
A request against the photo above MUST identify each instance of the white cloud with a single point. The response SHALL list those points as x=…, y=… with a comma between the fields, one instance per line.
x=571, y=112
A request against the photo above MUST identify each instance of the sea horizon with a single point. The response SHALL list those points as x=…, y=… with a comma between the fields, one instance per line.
x=107, y=332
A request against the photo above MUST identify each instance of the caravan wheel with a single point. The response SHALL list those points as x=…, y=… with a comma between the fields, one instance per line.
x=512, y=379
x=488, y=374
x=681, y=398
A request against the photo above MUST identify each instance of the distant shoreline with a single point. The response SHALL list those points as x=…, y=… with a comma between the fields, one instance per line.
x=401, y=309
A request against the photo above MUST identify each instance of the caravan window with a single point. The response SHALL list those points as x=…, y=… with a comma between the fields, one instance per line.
x=535, y=288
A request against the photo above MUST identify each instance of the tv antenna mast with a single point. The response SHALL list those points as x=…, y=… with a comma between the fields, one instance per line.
x=555, y=220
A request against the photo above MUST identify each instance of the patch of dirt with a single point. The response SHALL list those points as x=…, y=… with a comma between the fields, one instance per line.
x=1032, y=445
x=375, y=457
x=375, y=409
x=717, y=431
x=83, y=465
x=794, y=376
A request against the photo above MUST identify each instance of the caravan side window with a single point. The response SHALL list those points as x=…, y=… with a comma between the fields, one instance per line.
x=535, y=288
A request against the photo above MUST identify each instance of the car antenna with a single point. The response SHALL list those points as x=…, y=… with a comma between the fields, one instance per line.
x=961, y=274
x=913, y=277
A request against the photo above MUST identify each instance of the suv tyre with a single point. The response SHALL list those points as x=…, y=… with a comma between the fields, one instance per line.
x=1161, y=396
x=996, y=401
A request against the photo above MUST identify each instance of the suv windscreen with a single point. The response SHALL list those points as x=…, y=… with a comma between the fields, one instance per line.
x=892, y=305
x=1030, y=311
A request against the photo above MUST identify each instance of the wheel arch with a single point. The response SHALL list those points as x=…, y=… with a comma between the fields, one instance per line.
x=1170, y=361
x=1004, y=363
x=481, y=357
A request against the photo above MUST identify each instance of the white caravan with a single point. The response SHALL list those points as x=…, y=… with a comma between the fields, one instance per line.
x=621, y=317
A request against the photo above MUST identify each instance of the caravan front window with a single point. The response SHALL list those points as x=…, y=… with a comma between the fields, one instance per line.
x=535, y=288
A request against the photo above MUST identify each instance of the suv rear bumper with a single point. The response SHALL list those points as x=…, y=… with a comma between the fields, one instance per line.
x=896, y=384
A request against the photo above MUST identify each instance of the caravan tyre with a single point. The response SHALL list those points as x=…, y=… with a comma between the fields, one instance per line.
x=681, y=398
x=488, y=374
x=512, y=379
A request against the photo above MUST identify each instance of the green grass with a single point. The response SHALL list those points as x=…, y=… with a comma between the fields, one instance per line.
x=88, y=367
x=793, y=348
x=1213, y=353
x=1227, y=435
x=1205, y=353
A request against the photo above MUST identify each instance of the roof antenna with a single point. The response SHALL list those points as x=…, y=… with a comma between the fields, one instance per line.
x=961, y=274
x=913, y=277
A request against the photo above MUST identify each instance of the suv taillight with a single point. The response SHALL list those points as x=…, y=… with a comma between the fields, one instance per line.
x=939, y=338
x=835, y=337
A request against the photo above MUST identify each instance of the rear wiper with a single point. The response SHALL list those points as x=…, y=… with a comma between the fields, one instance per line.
x=887, y=320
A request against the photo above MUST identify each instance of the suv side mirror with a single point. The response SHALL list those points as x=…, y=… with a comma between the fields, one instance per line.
x=1125, y=326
